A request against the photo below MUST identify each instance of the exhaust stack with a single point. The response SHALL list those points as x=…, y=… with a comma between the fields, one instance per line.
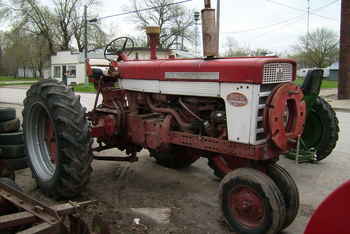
x=209, y=30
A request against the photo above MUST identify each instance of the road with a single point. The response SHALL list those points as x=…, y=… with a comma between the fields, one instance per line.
x=191, y=194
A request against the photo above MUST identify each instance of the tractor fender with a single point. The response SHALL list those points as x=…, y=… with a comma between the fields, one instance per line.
x=312, y=82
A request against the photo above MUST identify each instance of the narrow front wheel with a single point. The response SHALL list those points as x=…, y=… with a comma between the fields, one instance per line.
x=251, y=202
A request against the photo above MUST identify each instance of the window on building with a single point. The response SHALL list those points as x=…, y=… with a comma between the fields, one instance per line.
x=71, y=72
x=57, y=72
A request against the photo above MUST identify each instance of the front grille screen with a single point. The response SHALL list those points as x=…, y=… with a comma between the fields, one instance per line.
x=277, y=73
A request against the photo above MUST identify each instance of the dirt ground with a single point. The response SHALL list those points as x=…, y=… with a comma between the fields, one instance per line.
x=189, y=194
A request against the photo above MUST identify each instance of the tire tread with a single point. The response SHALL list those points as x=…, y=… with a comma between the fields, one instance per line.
x=72, y=133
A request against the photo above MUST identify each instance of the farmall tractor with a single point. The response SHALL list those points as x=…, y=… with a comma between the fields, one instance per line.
x=239, y=113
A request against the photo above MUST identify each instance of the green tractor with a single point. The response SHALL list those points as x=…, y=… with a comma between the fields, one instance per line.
x=321, y=128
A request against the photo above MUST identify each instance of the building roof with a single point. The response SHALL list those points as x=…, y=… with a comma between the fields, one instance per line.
x=334, y=66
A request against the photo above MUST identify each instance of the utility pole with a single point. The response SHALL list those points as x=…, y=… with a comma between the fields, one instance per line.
x=85, y=45
x=218, y=22
x=344, y=62
x=308, y=17
x=196, y=33
x=308, y=25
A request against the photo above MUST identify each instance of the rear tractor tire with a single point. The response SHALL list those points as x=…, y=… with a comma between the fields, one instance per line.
x=251, y=203
x=10, y=126
x=321, y=129
x=176, y=158
x=7, y=113
x=57, y=139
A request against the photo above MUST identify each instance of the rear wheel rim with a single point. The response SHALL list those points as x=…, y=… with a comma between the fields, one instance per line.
x=247, y=207
x=42, y=142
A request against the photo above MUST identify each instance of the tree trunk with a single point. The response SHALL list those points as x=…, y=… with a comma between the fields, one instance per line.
x=344, y=62
x=40, y=69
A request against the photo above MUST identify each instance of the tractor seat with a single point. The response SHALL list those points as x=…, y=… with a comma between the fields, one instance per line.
x=98, y=71
x=99, y=67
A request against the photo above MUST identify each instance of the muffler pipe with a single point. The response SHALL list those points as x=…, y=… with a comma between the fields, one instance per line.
x=209, y=30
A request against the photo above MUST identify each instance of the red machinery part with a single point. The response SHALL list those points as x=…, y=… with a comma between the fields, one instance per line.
x=232, y=70
x=247, y=206
x=51, y=142
x=285, y=115
x=107, y=125
x=332, y=216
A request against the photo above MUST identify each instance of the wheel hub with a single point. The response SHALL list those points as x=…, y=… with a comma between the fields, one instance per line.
x=247, y=207
x=50, y=139
x=284, y=116
x=41, y=140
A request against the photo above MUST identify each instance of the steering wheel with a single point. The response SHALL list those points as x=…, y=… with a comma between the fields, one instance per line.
x=118, y=46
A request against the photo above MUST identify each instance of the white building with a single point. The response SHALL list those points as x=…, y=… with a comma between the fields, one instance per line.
x=303, y=72
x=72, y=63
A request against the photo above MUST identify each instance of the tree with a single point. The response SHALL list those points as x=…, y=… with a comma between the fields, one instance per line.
x=38, y=53
x=60, y=25
x=24, y=50
x=260, y=52
x=318, y=49
x=175, y=21
x=15, y=52
x=31, y=16
x=233, y=49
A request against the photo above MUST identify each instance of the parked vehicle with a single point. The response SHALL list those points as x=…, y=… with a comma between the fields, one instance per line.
x=240, y=113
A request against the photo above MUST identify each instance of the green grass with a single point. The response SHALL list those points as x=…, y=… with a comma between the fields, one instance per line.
x=326, y=84
x=9, y=78
x=87, y=89
x=84, y=89
x=6, y=84
x=77, y=88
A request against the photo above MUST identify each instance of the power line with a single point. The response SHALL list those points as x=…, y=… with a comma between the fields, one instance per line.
x=327, y=5
x=298, y=9
x=267, y=26
x=294, y=21
x=137, y=11
x=267, y=33
x=287, y=20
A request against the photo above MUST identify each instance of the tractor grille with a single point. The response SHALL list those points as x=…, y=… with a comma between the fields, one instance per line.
x=265, y=92
x=277, y=73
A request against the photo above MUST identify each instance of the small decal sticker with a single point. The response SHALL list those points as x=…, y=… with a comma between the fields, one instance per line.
x=237, y=99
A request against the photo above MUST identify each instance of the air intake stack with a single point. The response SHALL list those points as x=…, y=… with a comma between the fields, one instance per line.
x=153, y=39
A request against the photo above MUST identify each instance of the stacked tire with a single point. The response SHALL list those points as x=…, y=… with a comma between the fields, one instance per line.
x=11, y=140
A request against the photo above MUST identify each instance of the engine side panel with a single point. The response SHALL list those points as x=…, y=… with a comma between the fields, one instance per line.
x=149, y=86
x=202, y=89
x=241, y=118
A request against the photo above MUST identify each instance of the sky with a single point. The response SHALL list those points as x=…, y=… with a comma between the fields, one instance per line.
x=270, y=24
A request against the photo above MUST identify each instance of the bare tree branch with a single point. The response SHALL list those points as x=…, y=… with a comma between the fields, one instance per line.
x=175, y=21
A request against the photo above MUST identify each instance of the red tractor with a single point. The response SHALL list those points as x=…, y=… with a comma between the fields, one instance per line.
x=239, y=113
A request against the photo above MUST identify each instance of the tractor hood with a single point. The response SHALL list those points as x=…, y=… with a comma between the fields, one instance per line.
x=237, y=70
